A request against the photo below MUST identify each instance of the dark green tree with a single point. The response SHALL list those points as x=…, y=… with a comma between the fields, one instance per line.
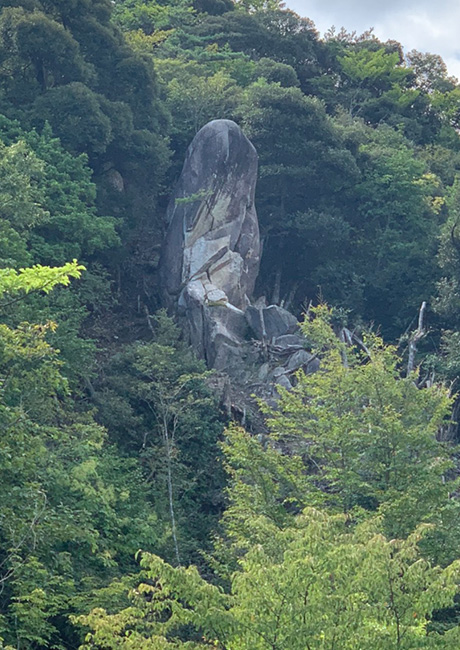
x=157, y=404
x=338, y=575
x=300, y=185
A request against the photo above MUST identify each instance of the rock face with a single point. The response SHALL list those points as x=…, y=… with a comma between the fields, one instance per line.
x=270, y=322
x=209, y=266
x=211, y=254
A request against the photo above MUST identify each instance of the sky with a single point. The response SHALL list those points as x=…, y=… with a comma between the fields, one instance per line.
x=424, y=25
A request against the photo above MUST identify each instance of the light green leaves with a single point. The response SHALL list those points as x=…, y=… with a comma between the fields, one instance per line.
x=37, y=278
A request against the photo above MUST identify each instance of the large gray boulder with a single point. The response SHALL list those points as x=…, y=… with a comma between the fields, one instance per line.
x=210, y=259
x=209, y=265
x=271, y=322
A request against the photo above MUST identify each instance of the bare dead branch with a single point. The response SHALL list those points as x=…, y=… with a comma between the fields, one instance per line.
x=415, y=337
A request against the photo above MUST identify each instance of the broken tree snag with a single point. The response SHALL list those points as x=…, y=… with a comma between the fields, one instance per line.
x=418, y=334
x=277, y=288
x=345, y=336
x=361, y=344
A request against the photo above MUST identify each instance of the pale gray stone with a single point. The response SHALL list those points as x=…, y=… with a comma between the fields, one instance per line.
x=283, y=381
x=209, y=266
x=211, y=253
x=288, y=343
x=270, y=322
x=213, y=231
x=300, y=359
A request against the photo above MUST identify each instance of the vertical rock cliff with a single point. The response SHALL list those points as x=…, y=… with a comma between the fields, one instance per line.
x=210, y=262
x=211, y=253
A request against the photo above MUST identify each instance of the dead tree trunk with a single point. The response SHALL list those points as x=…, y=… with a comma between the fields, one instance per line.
x=414, y=338
x=277, y=288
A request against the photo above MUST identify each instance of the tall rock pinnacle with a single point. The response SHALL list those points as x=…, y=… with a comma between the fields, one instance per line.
x=211, y=253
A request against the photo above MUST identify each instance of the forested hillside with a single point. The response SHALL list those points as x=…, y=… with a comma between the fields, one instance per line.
x=336, y=527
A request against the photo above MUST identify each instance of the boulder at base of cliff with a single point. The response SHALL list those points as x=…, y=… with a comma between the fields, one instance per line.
x=270, y=322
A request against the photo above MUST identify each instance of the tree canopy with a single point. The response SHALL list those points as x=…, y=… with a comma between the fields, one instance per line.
x=335, y=523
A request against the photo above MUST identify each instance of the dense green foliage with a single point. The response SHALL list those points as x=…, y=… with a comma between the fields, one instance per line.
x=357, y=145
x=340, y=525
x=366, y=568
x=75, y=505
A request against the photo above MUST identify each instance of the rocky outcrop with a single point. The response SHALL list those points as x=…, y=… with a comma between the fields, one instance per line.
x=210, y=262
x=211, y=254
x=270, y=322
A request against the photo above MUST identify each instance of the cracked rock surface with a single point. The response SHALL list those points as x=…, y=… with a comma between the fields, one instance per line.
x=209, y=267
x=211, y=253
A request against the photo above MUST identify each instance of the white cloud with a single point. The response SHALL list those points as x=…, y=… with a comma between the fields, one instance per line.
x=416, y=24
